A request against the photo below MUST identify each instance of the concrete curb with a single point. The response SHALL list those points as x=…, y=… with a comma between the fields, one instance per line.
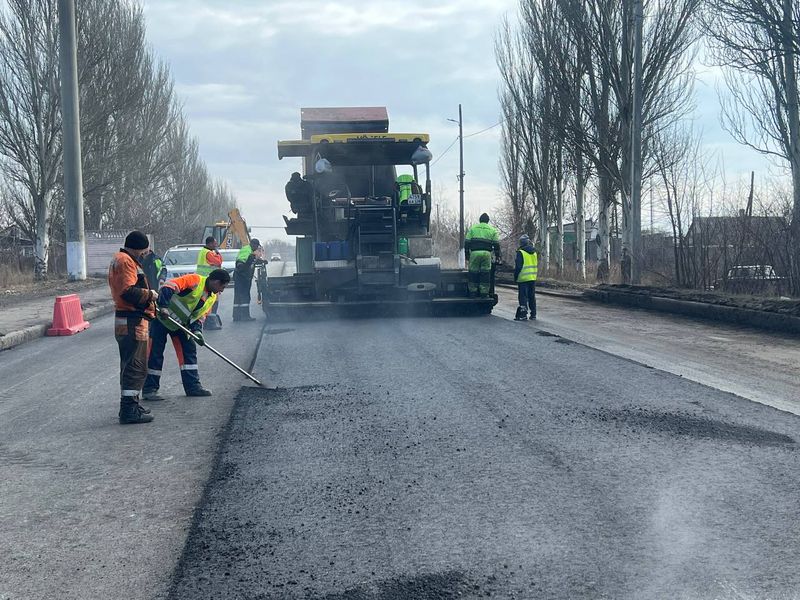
x=548, y=291
x=15, y=338
x=715, y=312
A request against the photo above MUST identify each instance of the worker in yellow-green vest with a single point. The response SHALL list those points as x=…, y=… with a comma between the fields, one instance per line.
x=187, y=299
x=406, y=187
x=243, y=280
x=526, y=270
x=479, y=243
x=209, y=259
x=151, y=264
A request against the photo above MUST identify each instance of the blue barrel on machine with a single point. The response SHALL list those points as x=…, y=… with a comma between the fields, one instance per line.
x=321, y=251
x=335, y=250
x=346, y=251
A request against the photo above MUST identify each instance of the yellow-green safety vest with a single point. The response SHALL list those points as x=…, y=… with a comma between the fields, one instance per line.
x=203, y=268
x=184, y=308
x=530, y=266
x=481, y=237
x=244, y=253
x=405, y=191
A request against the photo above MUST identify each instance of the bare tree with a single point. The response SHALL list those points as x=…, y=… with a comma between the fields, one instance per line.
x=142, y=168
x=678, y=161
x=30, y=121
x=533, y=100
x=757, y=42
x=512, y=167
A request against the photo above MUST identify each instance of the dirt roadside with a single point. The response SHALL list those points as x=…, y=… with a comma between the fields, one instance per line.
x=18, y=294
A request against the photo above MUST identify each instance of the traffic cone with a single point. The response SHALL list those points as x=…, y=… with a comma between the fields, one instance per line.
x=67, y=316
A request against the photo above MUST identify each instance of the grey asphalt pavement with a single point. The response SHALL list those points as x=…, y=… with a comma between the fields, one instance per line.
x=90, y=509
x=759, y=365
x=466, y=458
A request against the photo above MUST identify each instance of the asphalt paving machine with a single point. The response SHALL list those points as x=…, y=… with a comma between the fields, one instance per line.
x=364, y=244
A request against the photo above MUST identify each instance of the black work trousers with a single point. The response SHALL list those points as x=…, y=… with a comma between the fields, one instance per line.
x=527, y=296
x=241, y=296
x=132, y=357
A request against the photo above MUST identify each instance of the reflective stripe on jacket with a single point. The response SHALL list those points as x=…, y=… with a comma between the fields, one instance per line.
x=530, y=266
x=190, y=301
x=482, y=236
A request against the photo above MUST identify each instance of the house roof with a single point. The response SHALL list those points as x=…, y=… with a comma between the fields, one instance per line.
x=737, y=226
x=15, y=234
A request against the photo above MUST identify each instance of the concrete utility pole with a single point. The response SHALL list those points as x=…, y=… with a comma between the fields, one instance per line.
x=71, y=127
x=461, y=260
x=636, y=148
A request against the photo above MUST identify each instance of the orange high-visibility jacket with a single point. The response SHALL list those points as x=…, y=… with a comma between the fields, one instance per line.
x=129, y=287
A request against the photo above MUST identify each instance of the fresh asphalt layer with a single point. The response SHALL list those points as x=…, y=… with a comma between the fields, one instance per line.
x=466, y=458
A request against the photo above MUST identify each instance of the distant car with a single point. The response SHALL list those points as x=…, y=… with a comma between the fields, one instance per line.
x=180, y=260
x=275, y=257
x=752, y=279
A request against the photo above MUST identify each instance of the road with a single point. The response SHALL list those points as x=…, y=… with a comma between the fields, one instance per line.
x=409, y=458
x=90, y=509
x=466, y=458
x=757, y=365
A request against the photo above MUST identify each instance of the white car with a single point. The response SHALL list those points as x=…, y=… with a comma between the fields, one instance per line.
x=180, y=260
x=275, y=257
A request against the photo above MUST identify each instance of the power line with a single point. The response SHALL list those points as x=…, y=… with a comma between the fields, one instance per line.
x=483, y=130
x=438, y=158
x=445, y=152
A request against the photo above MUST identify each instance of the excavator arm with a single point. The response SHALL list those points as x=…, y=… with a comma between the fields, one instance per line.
x=237, y=227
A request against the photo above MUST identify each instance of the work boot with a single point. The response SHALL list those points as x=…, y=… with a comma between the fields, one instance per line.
x=151, y=395
x=198, y=391
x=131, y=412
x=522, y=314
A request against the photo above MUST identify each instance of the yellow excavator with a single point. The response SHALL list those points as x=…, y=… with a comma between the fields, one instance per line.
x=230, y=234
x=235, y=234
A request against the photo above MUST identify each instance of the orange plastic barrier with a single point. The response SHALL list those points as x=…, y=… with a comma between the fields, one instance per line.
x=67, y=316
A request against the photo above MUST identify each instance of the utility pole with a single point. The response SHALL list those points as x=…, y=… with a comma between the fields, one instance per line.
x=71, y=128
x=636, y=148
x=461, y=257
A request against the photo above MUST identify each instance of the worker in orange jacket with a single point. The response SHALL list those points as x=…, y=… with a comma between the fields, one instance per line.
x=209, y=259
x=187, y=300
x=134, y=309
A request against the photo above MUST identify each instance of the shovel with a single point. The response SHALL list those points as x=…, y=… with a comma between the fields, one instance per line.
x=209, y=347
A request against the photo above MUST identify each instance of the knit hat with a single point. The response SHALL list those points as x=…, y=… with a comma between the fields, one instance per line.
x=136, y=240
x=524, y=240
x=484, y=218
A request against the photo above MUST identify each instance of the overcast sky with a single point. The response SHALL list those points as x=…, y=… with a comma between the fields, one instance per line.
x=243, y=69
